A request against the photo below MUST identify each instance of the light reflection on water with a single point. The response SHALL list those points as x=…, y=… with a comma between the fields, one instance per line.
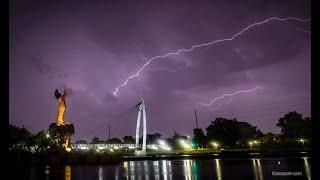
x=307, y=167
x=257, y=169
x=195, y=169
x=67, y=172
x=100, y=173
x=218, y=169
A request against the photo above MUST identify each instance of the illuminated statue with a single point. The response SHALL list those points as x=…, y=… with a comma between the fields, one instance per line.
x=61, y=132
x=62, y=106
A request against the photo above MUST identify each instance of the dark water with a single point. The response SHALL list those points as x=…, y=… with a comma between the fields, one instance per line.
x=222, y=168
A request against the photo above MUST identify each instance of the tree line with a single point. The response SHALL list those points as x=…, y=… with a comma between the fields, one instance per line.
x=227, y=132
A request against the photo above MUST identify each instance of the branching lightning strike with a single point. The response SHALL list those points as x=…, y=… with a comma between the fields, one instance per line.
x=116, y=91
x=188, y=64
x=209, y=105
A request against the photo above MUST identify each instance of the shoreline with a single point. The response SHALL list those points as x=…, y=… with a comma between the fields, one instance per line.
x=219, y=155
x=21, y=160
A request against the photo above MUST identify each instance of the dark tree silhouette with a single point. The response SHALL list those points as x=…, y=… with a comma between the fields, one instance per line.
x=294, y=126
x=232, y=132
x=81, y=142
x=41, y=141
x=128, y=140
x=153, y=138
x=307, y=123
x=199, y=139
x=114, y=141
x=95, y=140
x=175, y=140
x=19, y=138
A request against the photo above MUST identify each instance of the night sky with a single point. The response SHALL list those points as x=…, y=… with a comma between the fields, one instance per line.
x=91, y=48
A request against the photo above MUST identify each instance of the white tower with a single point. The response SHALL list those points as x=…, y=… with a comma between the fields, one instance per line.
x=141, y=108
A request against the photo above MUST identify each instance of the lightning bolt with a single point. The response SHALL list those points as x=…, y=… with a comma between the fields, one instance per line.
x=299, y=29
x=140, y=53
x=188, y=64
x=116, y=91
x=209, y=105
x=302, y=30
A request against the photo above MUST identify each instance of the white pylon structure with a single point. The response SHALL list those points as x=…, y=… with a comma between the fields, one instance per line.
x=141, y=109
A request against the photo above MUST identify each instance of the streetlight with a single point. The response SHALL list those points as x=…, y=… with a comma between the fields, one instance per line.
x=302, y=141
x=253, y=143
x=164, y=145
x=47, y=134
x=215, y=145
x=184, y=144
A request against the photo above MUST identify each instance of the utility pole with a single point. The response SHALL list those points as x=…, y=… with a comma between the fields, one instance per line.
x=109, y=130
x=195, y=113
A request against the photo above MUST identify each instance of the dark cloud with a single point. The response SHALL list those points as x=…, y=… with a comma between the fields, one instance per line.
x=39, y=65
x=91, y=48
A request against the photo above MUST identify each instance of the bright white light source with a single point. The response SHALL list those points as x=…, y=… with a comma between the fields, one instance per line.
x=215, y=144
x=184, y=144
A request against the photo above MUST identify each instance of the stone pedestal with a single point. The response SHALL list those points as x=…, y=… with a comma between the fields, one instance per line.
x=62, y=134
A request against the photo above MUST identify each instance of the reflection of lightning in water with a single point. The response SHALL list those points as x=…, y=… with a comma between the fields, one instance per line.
x=137, y=73
x=209, y=105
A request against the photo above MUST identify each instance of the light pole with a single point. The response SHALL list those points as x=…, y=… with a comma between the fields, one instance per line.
x=302, y=141
x=215, y=145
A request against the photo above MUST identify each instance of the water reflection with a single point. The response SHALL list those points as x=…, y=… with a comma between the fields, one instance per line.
x=100, y=173
x=195, y=170
x=156, y=169
x=307, y=167
x=187, y=169
x=257, y=169
x=177, y=169
x=218, y=169
x=47, y=172
x=67, y=172
x=125, y=165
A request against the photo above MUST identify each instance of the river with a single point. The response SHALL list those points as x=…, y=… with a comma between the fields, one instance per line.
x=211, y=168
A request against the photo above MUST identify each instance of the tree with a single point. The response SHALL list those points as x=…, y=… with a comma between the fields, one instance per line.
x=294, y=126
x=199, y=138
x=307, y=123
x=128, y=140
x=114, y=141
x=270, y=138
x=95, y=140
x=153, y=138
x=19, y=138
x=232, y=132
x=41, y=141
x=81, y=142
x=245, y=132
x=175, y=140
